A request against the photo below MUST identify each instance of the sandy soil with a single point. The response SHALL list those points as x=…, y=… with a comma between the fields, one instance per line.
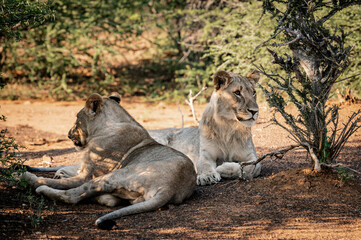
x=287, y=202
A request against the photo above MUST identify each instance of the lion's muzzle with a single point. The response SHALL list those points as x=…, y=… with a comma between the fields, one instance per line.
x=74, y=135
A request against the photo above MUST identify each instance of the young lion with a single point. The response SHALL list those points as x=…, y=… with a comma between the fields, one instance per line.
x=120, y=160
x=223, y=138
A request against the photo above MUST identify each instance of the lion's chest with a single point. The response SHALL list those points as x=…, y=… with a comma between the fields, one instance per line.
x=234, y=150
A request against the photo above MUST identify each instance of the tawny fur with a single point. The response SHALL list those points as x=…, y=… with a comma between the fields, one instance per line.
x=120, y=160
x=223, y=137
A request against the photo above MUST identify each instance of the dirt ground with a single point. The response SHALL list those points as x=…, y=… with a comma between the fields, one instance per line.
x=288, y=201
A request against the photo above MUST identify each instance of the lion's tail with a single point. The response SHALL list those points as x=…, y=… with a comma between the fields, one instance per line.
x=159, y=200
x=48, y=169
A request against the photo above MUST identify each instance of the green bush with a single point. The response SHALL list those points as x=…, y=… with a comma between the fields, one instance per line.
x=74, y=54
x=349, y=19
x=230, y=34
x=316, y=58
x=17, y=15
x=78, y=52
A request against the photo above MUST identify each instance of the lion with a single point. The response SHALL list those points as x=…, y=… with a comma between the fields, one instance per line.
x=223, y=138
x=120, y=161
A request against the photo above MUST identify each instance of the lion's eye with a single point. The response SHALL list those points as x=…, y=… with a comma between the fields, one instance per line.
x=237, y=93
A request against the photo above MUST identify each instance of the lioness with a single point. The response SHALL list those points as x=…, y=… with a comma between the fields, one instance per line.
x=120, y=160
x=223, y=138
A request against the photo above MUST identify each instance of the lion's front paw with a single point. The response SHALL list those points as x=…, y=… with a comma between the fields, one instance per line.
x=208, y=178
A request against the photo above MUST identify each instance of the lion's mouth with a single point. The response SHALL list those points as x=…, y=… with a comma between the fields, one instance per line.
x=77, y=143
x=245, y=120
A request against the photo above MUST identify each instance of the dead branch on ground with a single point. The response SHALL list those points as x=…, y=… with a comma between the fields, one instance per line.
x=276, y=154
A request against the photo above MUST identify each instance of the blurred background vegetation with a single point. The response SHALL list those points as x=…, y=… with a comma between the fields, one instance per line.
x=156, y=49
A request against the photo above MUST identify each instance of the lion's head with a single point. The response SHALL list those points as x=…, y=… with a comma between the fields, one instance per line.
x=86, y=118
x=236, y=96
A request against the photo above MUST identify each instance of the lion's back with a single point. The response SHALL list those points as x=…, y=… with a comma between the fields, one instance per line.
x=185, y=140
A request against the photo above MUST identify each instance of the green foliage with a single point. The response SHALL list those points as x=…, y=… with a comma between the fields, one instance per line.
x=77, y=49
x=349, y=19
x=9, y=162
x=182, y=43
x=17, y=15
x=343, y=174
x=224, y=37
x=37, y=206
x=10, y=165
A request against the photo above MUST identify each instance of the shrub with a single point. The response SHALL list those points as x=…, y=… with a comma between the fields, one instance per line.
x=319, y=57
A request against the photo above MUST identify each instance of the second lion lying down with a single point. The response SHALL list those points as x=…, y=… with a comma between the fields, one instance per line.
x=120, y=160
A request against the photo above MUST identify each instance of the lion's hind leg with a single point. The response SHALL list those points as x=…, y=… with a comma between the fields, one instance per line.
x=158, y=200
x=56, y=194
x=95, y=187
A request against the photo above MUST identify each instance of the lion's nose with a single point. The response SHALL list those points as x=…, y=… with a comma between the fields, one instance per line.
x=253, y=112
x=69, y=133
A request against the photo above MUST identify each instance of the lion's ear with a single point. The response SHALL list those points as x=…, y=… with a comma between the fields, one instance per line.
x=221, y=78
x=93, y=104
x=254, y=76
x=115, y=96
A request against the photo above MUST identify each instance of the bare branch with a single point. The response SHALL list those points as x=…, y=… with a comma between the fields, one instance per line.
x=272, y=37
x=276, y=154
x=298, y=37
x=185, y=56
x=190, y=101
x=337, y=9
x=347, y=78
x=340, y=165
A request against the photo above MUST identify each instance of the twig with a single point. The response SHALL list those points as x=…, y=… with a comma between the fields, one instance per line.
x=181, y=114
x=347, y=78
x=277, y=154
x=298, y=37
x=185, y=56
x=190, y=101
x=269, y=39
x=340, y=165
